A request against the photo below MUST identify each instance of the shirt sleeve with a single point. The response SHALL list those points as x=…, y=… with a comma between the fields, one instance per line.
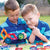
x=28, y=31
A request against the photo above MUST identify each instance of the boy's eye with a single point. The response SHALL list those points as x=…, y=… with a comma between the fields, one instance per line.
x=12, y=15
x=17, y=14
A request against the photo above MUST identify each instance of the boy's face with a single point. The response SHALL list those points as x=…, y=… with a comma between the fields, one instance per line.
x=31, y=19
x=13, y=15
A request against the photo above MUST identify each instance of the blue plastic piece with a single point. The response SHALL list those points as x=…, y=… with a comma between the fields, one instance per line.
x=33, y=48
x=16, y=45
x=8, y=40
x=12, y=36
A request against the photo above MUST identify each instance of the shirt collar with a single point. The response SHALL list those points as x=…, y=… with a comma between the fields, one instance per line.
x=12, y=24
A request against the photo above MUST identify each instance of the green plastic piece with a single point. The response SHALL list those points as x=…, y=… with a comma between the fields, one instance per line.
x=21, y=36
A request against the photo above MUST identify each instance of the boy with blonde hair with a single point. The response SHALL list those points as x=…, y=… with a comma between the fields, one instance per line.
x=31, y=15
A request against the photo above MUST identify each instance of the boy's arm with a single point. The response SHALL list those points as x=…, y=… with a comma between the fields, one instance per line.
x=37, y=33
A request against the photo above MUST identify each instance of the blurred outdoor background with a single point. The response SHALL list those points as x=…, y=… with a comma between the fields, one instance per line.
x=42, y=5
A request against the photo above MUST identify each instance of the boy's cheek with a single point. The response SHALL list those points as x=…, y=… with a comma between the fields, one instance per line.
x=17, y=17
x=11, y=19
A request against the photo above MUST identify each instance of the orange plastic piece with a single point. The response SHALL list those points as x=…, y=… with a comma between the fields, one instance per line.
x=40, y=43
x=6, y=35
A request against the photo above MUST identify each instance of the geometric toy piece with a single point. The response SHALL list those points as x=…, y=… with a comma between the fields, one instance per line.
x=20, y=36
x=6, y=35
x=40, y=43
x=18, y=48
x=12, y=36
x=7, y=40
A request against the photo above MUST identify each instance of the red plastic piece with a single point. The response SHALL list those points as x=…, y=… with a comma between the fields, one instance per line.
x=13, y=35
x=37, y=43
x=18, y=48
x=33, y=46
x=40, y=43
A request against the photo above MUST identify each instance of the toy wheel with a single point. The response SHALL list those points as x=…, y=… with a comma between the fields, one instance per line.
x=8, y=40
x=21, y=36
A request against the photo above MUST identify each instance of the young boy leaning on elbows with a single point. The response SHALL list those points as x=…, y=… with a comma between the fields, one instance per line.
x=14, y=24
x=31, y=15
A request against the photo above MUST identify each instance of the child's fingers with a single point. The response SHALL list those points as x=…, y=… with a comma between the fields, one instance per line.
x=22, y=32
x=33, y=26
x=24, y=35
x=2, y=41
x=4, y=44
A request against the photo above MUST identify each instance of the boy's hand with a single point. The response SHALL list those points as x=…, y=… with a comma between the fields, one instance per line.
x=25, y=36
x=3, y=43
x=35, y=31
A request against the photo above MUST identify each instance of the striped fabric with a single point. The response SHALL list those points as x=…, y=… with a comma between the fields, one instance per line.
x=19, y=28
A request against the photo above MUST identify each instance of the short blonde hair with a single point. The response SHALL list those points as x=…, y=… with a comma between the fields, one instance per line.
x=28, y=8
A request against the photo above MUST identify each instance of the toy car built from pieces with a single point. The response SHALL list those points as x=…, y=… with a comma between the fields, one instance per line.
x=8, y=37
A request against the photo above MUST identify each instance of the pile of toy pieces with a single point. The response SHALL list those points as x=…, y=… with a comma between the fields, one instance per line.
x=41, y=46
x=38, y=46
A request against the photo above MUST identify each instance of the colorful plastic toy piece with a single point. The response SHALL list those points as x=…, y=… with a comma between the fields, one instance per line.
x=6, y=35
x=12, y=37
x=21, y=36
x=5, y=47
x=7, y=40
x=18, y=48
x=47, y=47
x=33, y=48
x=39, y=43
x=40, y=49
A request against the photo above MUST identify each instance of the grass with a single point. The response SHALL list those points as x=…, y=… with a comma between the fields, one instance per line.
x=46, y=19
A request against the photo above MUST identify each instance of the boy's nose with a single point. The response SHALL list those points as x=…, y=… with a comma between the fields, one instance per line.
x=14, y=17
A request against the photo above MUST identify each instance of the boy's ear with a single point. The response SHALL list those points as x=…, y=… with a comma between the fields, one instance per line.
x=38, y=14
x=5, y=13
